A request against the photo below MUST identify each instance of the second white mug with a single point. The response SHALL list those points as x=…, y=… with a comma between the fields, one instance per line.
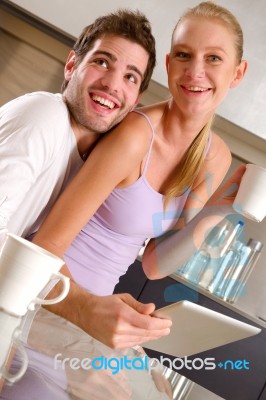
x=9, y=336
x=250, y=200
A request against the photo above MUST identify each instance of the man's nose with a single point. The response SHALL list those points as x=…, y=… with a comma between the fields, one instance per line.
x=112, y=80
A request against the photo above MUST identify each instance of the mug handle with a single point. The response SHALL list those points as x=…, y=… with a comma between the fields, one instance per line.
x=66, y=285
x=3, y=237
x=8, y=376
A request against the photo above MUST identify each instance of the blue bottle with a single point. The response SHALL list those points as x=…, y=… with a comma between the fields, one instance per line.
x=223, y=256
x=230, y=261
x=205, y=263
x=236, y=281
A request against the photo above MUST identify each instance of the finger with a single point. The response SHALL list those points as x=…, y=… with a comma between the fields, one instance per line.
x=142, y=308
x=146, y=309
x=139, y=315
x=124, y=340
x=229, y=189
x=147, y=322
x=229, y=194
x=235, y=178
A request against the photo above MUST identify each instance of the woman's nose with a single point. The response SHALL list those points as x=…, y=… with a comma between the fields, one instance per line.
x=195, y=69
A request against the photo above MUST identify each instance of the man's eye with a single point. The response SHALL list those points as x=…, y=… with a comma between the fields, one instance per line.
x=132, y=78
x=101, y=62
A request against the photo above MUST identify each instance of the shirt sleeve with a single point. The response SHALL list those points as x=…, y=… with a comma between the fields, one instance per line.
x=28, y=143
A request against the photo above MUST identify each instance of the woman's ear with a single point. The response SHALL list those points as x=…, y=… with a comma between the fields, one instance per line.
x=70, y=65
x=167, y=62
x=241, y=70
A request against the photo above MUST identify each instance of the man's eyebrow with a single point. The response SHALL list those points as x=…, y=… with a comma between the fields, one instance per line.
x=130, y=67
x=135, y=69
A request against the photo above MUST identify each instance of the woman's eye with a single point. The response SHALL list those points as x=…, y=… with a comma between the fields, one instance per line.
x=182, y=55
x=214, y=58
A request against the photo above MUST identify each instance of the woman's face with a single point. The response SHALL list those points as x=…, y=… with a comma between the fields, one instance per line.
x=202, y=65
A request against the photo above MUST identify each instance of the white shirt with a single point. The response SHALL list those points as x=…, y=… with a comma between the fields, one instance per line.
x=38, y=156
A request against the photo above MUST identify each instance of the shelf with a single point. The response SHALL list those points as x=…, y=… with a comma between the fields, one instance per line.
x=230, y=306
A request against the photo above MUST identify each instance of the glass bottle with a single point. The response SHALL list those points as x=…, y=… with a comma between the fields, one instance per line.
x=219, y=255
x=241, y=272
x=230, y=260
x=206, y=260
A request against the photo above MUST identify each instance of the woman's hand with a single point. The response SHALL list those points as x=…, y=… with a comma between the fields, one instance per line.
x=226, y=193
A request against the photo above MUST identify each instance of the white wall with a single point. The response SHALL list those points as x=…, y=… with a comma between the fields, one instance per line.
x=244, y=106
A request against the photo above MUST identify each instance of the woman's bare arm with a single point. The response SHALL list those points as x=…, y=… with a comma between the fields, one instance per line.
x=203, y=210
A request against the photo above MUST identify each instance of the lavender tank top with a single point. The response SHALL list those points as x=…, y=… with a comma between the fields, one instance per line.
x=110, y=242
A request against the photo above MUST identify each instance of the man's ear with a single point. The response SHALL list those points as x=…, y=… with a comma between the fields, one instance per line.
x=241, y=70
x=137, y=100
x=167, y=62
x=70, y=65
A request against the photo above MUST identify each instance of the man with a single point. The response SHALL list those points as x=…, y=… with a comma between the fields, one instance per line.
x=45, y=137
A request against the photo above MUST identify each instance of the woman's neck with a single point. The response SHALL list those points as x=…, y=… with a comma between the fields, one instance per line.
x=179, y=124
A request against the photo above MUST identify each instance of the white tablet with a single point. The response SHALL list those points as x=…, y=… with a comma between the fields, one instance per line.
x=196, y=329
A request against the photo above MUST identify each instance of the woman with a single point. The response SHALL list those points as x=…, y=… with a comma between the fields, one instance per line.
x=158, y=161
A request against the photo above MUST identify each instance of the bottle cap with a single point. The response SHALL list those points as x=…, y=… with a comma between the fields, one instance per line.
x=255, y=245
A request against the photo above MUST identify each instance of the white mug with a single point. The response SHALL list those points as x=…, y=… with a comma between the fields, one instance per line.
x=250, y=200
x=3, y=232
x=25, y=269
x=9, y=336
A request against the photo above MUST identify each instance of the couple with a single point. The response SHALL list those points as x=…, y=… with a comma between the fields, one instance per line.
x=158, y=161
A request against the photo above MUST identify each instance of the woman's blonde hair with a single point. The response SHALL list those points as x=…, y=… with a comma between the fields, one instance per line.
x=209, y=9
x=185, y=173
x=190, y=165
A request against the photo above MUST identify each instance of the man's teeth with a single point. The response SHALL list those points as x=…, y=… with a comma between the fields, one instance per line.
x=197, y=89
x=103, y=101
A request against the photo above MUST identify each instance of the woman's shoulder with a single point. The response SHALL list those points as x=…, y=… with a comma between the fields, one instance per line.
x=219, y=158
x=131, y=136
x=143, y=119
x=139, y=122
x=153, y=110
x=218, y=148
x=135, y=132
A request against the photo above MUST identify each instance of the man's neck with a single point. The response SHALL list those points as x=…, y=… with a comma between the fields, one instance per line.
x=86, y=140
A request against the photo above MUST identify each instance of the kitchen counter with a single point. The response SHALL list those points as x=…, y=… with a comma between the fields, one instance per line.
x=60, y=369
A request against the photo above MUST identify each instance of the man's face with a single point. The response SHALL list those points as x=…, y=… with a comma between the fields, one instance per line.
x=105, y=86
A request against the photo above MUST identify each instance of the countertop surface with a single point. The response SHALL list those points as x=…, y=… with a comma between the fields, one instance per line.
x=65, y=363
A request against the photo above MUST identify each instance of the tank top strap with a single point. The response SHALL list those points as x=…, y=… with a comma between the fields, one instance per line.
x=208, y=143
x=152, y=139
